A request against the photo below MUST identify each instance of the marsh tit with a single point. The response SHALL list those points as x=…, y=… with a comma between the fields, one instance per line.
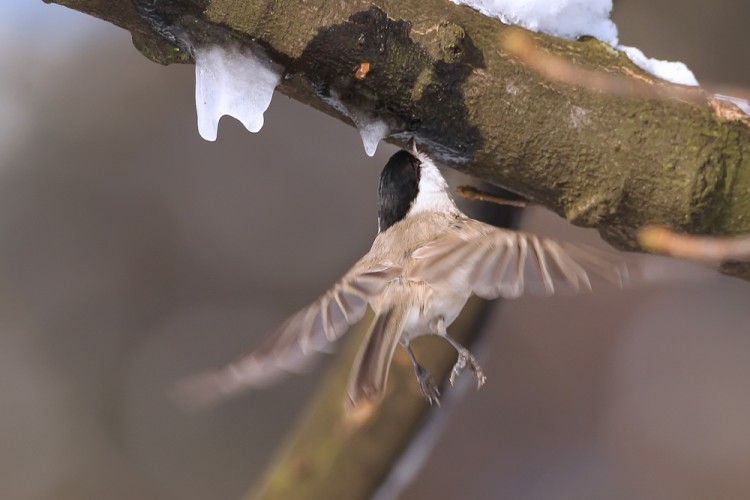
x=427, y=259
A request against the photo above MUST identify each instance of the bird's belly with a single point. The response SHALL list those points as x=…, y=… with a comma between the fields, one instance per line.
x=423, y=320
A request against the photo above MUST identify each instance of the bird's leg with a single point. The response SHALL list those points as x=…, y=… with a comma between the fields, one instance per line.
x=426, y=383
x=464, y=357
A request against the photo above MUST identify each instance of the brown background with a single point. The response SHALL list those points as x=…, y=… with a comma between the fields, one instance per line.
x=133, y=253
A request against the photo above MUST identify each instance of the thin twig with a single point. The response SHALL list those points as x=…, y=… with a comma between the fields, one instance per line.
x=660, y=239
x=520, y=44
x=474, y=194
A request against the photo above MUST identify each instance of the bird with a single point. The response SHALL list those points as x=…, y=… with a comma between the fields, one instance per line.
x=427, y=259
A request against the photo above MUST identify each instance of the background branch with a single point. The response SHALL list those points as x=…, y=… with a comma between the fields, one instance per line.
x=331, y=456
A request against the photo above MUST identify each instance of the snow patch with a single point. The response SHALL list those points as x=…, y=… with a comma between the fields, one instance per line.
x=563, y=18
x=232, y=82
x=675, y=72
x=573, y=18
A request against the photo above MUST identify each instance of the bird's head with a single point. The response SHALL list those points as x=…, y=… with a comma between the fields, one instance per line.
x=410, y=183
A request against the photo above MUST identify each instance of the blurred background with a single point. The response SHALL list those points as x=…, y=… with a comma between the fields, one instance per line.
x=133, y=253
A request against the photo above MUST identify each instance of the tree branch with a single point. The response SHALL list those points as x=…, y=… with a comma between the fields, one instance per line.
x=330, y=455
x=440, y=72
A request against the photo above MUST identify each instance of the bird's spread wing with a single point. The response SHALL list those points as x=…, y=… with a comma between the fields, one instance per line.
x=289, y=348
x=495, y=262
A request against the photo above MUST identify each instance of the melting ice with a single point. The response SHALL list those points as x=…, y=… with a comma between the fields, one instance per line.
x=234, y=83
x=371, y=130
x=573, y=18
x=743, y=104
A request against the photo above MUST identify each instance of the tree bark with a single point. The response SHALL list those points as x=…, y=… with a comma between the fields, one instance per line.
x=441, y=73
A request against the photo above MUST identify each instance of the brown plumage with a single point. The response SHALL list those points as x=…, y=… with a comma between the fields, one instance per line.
x=424, y=264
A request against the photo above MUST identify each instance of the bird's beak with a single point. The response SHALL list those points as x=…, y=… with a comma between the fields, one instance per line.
x=412, y=146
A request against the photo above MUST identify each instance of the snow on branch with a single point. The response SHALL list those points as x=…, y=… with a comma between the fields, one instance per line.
x=573, y=19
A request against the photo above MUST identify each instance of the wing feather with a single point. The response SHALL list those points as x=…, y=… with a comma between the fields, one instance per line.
x=494, y=262
x=289, y=348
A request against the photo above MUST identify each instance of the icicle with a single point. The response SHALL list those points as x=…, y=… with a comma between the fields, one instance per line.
x=371, y=130
x=234, y=83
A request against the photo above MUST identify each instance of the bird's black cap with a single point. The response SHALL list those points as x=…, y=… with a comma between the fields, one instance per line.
x=399, y=186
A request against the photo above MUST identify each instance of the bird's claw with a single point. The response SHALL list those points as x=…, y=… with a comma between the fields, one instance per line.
x=427, y=385
x=464, y=358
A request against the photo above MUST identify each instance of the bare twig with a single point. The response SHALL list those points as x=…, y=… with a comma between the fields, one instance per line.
x=699, y=248
x=520, y=44
x=473, y=194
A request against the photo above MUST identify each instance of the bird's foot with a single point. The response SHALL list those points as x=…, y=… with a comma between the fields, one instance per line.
x=427, y=385
x=466, y=358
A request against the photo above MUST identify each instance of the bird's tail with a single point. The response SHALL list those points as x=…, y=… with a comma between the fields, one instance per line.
x=370, y=370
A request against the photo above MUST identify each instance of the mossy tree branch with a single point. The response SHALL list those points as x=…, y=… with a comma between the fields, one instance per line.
x=440, y=72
